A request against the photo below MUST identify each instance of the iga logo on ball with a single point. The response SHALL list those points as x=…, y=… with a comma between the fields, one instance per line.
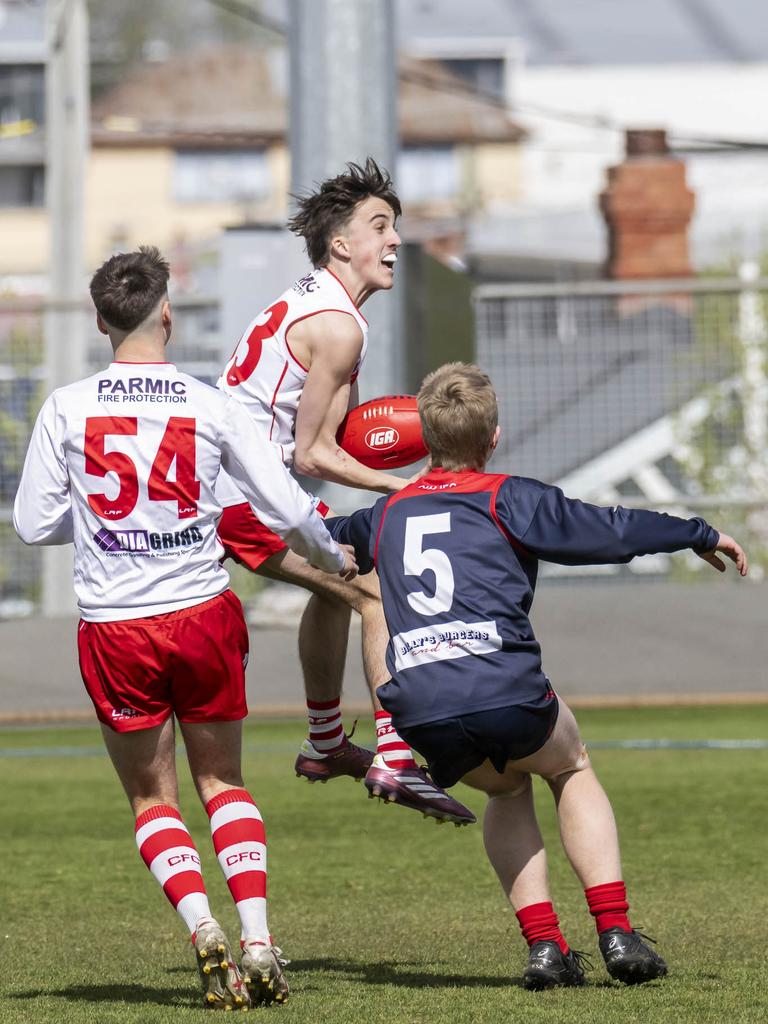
x=379, y=440
x=384, y=433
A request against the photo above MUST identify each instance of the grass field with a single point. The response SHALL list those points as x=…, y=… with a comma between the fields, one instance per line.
x=386, y=917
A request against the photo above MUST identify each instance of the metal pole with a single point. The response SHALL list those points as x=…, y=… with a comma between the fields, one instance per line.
x=343, y=61
x=67, y=140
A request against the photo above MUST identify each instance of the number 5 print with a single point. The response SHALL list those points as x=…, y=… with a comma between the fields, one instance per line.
x=417, y=560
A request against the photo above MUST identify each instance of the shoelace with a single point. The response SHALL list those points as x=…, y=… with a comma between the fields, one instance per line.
x=350, y=734
x=636, y=931
x=583, y=961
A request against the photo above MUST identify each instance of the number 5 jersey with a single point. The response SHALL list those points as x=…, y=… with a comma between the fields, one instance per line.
x=124, y=464
x=457, y=557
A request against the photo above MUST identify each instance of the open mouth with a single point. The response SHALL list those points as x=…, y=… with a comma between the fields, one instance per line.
x=389, y=260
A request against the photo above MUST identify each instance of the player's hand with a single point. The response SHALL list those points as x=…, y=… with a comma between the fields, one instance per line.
x=425, y=468
x=731, y=549
x=350, y=569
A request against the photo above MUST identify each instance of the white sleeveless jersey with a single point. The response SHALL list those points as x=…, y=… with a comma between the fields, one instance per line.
x=263, y=372
x=124, y=464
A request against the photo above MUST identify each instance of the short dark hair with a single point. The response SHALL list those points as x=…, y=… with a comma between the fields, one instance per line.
x=322, y=213
x=129, y=285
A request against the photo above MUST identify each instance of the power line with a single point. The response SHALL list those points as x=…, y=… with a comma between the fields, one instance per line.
x=244, y=10
x=457, y=87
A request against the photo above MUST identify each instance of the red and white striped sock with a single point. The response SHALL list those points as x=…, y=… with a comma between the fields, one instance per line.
x=241, y=846
x=326, y=732
x=168, y=851
x=395, y=752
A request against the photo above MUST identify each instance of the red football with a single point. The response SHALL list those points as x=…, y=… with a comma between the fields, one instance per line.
x=384, y=433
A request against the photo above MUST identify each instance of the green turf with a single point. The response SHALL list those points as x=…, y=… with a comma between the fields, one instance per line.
x=387, y=918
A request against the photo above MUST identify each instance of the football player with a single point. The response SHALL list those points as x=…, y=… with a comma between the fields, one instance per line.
x=295, y=370
x=124, y=463
x=457, y=553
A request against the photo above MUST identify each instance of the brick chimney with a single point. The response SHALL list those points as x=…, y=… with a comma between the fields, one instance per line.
x=647, y=207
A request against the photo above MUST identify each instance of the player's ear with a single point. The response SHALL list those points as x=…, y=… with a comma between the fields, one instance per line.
x=167, y=320
x=340, y=247
x=101, y=325
x=496, y=436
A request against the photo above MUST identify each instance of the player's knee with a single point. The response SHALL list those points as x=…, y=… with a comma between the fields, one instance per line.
x=509, y=788
x=579, y=762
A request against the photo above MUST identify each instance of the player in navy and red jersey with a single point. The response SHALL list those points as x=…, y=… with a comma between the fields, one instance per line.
x=457, y=554
x=123, y=464
x=295, y=370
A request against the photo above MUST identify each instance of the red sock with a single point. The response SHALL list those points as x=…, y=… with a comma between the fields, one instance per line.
x=608, y=905
x=326, y=732
x=395, y=751
x=538, y=922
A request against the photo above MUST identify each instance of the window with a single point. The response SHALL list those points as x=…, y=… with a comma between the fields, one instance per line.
x=486, y=74
x=22, y=93
x=22, y=186
x=220, y=176
x=426, y=173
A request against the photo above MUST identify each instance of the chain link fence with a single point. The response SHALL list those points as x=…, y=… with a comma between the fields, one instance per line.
x=652, y=394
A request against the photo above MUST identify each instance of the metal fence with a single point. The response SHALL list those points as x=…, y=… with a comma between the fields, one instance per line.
x=651, y=394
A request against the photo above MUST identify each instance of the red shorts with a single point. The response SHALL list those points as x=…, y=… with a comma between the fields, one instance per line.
x=248, y=540
x=190, y=663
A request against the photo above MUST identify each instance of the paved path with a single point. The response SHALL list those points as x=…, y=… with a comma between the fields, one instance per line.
x=604, y=642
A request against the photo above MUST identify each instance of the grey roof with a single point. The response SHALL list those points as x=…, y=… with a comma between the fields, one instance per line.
x=577, y=376
x=599, y=31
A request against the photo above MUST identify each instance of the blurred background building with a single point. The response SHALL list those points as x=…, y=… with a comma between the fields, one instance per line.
x=585, y=194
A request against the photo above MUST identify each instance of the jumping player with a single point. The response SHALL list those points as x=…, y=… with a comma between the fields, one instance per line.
x=457, y=554
x=295, y=370
x=124, y=463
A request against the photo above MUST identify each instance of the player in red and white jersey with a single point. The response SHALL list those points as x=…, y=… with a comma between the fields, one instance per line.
x=124, y=464
x=295, y=370
x=271, y=393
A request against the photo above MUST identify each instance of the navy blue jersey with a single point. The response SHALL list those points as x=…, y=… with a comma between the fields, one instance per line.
x=457, y=556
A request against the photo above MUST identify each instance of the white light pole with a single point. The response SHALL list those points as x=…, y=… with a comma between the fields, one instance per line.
x=67, y=117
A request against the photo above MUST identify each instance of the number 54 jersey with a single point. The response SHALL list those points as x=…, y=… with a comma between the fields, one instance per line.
x=457, y=557
x=124, y=464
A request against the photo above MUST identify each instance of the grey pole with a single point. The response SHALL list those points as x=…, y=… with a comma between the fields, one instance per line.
x=343, y=61
x=67, y=139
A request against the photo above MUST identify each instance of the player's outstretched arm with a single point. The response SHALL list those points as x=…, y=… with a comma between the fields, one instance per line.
x=731, y=549
x=334, y=341
x=254, y=464
x=42, y=511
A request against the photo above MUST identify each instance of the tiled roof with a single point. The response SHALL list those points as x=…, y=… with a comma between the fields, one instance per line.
x=230, y=95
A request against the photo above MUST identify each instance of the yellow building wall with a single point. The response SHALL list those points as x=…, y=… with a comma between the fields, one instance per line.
x=130, y=201
x=498, y=174
x=24, y=241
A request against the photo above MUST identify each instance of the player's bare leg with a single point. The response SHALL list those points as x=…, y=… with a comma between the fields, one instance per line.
x=515, y=848
x=237, y=830
x=145, y=763
x=591, y=842
x=393, y=774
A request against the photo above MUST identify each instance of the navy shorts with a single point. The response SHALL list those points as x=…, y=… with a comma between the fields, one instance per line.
x=454, y=746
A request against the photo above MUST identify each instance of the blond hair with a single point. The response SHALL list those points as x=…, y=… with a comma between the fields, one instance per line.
x=458, y=412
